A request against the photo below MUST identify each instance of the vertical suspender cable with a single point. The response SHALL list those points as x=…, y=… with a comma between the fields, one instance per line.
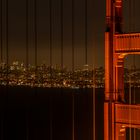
x=134, y=66
x=27, y=63
x=1, y=33
x=50, y=16
x=129, y=9
x=50, y=11
x=7, y=43
x=73, y=64
x=62, y=65
x=35, y=36
x=85, y=31
x=133, y=28
x=130, y=16
x=130, y=95
x=86, y=74
x=27, y=38
x=134, y=57
x=7, y=52
x=133, y=14
x=1, y=36
x=62, y=34
x=94, y=107
x=1, y=67
x=86, y=63
x=50, y=104
x=94, y=83
x=94, y=87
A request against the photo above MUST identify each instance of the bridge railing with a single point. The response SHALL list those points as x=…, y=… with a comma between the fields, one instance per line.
x=127, y=42
x=127, y=114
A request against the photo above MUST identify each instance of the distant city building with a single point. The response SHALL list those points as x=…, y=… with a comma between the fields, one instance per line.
x=17, y=74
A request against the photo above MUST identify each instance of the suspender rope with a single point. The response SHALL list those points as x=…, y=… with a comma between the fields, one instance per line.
x=86, y=32
x=27, y=39
x=134, y=65
x=35, y=38
x=50, y=10
x=27, y=64
x=51, y=97
x=1, y=34
x=62, y=34
x=1, y=38
x=130, y=91
x=7, y=43
x=73, y=64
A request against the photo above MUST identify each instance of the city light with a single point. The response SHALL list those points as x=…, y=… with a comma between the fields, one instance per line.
x=17, y=74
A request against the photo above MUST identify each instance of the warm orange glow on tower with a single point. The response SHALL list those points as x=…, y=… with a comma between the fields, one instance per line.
x=117, y=46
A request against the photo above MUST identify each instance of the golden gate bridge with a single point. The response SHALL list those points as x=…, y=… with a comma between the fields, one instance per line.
x=118, y=116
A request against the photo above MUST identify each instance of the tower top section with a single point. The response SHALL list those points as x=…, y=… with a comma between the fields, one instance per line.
x=114, y=16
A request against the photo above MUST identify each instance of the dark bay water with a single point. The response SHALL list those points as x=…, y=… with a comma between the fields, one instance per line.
x=47, y=114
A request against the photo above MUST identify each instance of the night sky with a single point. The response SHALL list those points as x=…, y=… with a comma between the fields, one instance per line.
x=95, y=31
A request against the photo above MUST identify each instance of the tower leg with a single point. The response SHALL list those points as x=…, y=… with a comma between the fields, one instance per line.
x=109, y=130
x=108, y=67
x=106, y=122
x=117, y=128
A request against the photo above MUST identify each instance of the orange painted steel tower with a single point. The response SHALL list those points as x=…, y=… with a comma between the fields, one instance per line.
x=118, y=115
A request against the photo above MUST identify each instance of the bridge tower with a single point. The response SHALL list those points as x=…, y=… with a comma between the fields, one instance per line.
x=117, y=46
